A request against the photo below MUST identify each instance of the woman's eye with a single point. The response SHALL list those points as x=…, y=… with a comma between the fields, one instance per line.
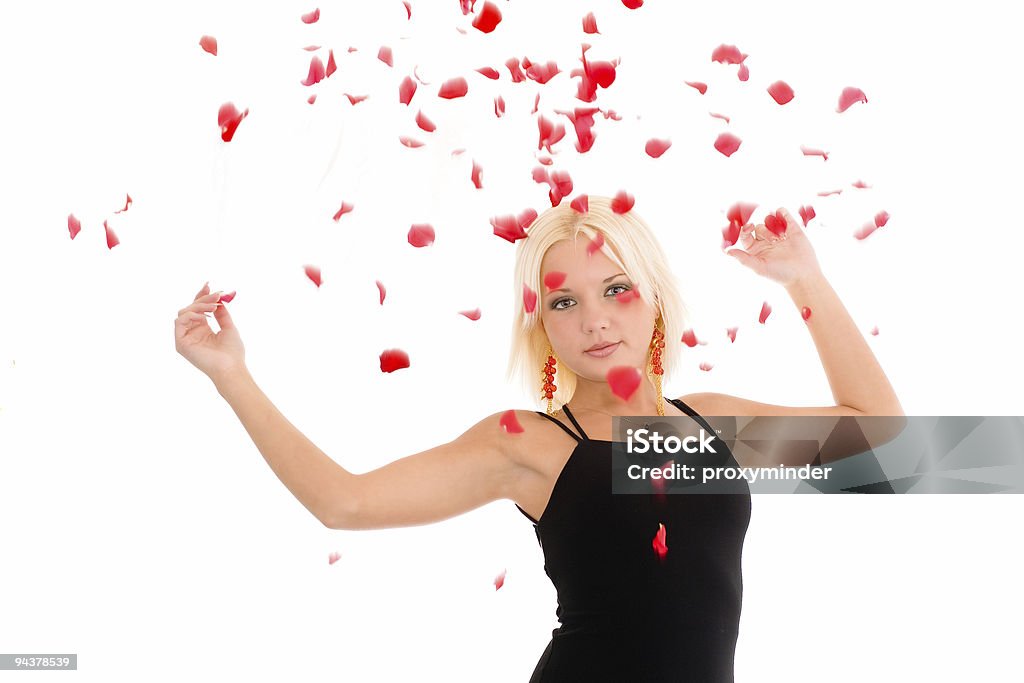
x=625, y=288
x=558, y=307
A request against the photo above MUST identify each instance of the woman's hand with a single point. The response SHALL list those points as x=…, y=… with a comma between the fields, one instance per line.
x=786, y=258
x=214, y=354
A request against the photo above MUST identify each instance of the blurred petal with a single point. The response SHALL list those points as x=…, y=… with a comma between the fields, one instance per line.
x=381, y=290
x=727, y=54
x=209, y=43
x=655, y=147
x=850, y=97
x=766, y=311
x=423, y=122
x=488, y=18
x=488, y=72
x=345, y=208
x=809, y=152
x=727, y=144
x=701, y=87
x=581, y=203
x=658, y=543
x=384, y=55
x=393, y=359
x=622, y=202
x=112, y=240
x=74, y=225
x=623, y=380
x=311, y=17
x=554, y=279
x=731, y=331
x=475, y=175
x=805, y=312
x=529, y=299
x=590, y=24
x=806, y=214
x=406, y=89
x=510, y=423
x=781, y=92
x=472, y=315
x=421, y=235
x=313, y=273
x=455, y=87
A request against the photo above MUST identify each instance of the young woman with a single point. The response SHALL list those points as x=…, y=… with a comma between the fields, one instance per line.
x=604, y=298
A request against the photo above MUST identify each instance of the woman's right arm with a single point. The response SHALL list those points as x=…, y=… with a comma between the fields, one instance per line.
x=445, y=481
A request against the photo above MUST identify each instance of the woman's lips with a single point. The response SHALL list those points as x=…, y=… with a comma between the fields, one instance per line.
x=602, y=353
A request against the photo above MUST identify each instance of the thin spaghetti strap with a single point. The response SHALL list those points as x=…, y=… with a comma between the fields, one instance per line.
x=566, y=429
x=678, y=403
x=568, y=414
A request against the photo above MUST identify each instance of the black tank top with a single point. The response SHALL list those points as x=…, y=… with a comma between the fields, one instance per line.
x=627, y=614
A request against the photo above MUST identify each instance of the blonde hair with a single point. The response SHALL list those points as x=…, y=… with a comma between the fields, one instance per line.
x=632, y=246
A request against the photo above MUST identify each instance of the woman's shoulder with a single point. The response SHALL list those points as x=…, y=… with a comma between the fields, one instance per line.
x=518, y=433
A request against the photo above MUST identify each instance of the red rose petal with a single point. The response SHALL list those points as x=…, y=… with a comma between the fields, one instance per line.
x=499, y=106
x=610, y=114
x=554, y=279
x=228, y=118
x=622, y=202
x=488, y=19
x=781, y=92
x=381, y=290
x=740, y=213
x=421, y=235
x=311, y=17
x=455, y=87
x=529, y=299
x=472, y=315
x=545, y=160
x=809, y=152
x=475, y=175
x=311, y=48
x=690, y=338
x=659, y=542
x=727, y=144
x=353, y=49
x=313, y=273
x=331, y=65
x=805, y=312
x=627, y=296
x=345, y=208
x=720, y=116
x=423, y=122
x=706, y=367
x=655, y=147
x=731, y=331
x=513, y=68
x=227, y=298
x=830, y=193
x=508, y=228
x=633, y=4
x=393, y=359
x=488, y=72
x=127, y=203
x=766, y=311
x=727, y=54
x=592, y=76
x=384, y=55
x=583, y=122
x=581, y=203
x=209, y=43
x=316, y=72
x=865, y=231
x=526, y=218
x=861, y=185
x=874, y=330
x=806, y=214
x=406, y=89
x=510, y=423
x=467, y=6
x=590, y=24
x=541, y=73
x=881, y=218
x=850, y=97
x=561, y=186
x=112, y=240
x=311, y=99
x=333, y=557
x=550, y=133
x=457, y=152
x=408, y=9
x=411, y=143
x=499, y=581
x=776, y=223
x=355, y=99
x=701, y=87
x=74, y=225
x=744, y=73
x=595, y=244
x=536, y=104
x=623, y=380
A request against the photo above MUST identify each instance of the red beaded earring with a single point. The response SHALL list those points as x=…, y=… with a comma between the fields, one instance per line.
x=549, y=378
x=657, y=344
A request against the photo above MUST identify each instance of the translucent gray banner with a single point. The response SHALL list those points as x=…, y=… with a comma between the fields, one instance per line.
x=947, y=454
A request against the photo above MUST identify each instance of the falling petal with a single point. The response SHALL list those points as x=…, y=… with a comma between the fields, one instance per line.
x=766, y=311
x=316, y=72
x=311, y=17
x=311, y=99
x=313, y=273
x=690, y=338
x=513, y=68
x=380, y=289
x=550, y=133
x=623, y=380
x=541, y=175
x=731, y=331
x=865, y=231
x=227, y=298
x=810, y=152
x=655, y=147
x=740, y=213
x=488, y=19
x=411, y=143
x=510, y=423
x=353, y=49
x=228, y=118
x=467, y=6
x=610, y=114
x=727, y=144
x=475, y=175
x=529, y=299
x=472, y=315
x=356, y=99
x=743, y=73
x=499, y=581
x=457, y=152
x=561, y=186
x=408, y=9
x=627, y=296
x=423, y=122
x=720, y=116
x=805, y=312
x=806, y=214
x=706, y=367
x=583, y=122
x=384, y=55
x=345, y=208
x=536, y=104
x=393, y=359
x=554, y=279
x=850, y=97
x=499, y=106
x=861, y=185
x=830, y=193
x=633, y=4
x=595, y=244
x=74, y=225
x=508, y=228
x=622, y=202
x=781, y=92
x=581, y=203
x=541, y=73
x=333, y=557
x=659, y=542
x=526, y=218
x=112, y=240
x=127, y=203
x=545, y=160
x=421, y=235
x=727, y=54
x=406, y=89
x=311, y=48
x=776, y=223
x=209, y=43
x=701, y=87
x=874, y=330
x=455, y=87
x=488, y=72
x=331, y=65
x=881, y=218
x=590, y=24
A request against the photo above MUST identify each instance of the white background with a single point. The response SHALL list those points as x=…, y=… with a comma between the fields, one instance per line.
x=141, y=528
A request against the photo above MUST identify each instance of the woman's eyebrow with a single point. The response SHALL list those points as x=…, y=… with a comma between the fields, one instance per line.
x=566, y=289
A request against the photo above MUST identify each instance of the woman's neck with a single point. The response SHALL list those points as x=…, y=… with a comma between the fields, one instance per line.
x=598, y=398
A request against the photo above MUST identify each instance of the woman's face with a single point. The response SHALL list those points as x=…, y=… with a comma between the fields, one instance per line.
x=584, y=311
